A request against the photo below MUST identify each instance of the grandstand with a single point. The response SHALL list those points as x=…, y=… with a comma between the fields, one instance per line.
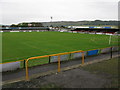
x=21, y=29
x=104, y=30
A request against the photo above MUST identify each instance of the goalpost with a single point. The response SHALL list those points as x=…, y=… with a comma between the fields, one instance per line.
x=110, y=39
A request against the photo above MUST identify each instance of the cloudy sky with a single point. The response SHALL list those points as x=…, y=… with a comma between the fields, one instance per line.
x=16, y=11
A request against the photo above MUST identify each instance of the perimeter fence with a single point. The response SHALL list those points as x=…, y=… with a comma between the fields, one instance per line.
x=59, y=58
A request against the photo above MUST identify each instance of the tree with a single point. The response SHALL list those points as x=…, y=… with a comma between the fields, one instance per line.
x=33, y=24
x=13, y=25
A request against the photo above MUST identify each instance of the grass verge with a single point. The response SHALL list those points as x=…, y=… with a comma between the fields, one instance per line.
x=108, y=68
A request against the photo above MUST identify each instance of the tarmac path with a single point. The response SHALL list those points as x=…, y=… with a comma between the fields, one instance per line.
x=19, y=75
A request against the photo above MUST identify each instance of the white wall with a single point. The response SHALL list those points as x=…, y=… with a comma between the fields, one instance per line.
x=10, y=66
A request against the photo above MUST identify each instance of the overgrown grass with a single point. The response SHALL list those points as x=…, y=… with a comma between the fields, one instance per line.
x=108, y=68
x=22, y=45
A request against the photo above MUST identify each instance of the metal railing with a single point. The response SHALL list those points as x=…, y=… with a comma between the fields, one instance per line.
x=27, y=74
x=26, y=64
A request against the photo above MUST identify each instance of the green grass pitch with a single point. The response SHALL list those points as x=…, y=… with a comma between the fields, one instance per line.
x=22, y=45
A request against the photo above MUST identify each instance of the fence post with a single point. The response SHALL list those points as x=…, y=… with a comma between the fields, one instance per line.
x=24, y=64
x=27, y=77
x=59, y=63
x=111, y=53
x=70, y=56
x=82, y=57
x=49, y=59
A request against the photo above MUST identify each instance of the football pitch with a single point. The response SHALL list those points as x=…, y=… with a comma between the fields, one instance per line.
x=22, y=45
